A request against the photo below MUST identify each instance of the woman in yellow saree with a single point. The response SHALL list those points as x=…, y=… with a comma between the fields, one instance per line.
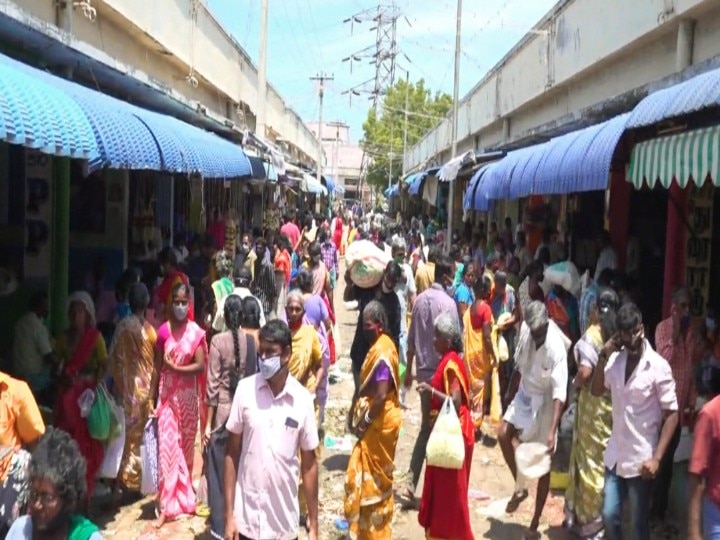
x=593, y=423
x=479, y=344
x=377, y=419
x=135, y=377
x=306, y=362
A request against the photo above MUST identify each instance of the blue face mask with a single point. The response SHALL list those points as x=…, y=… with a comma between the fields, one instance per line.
x=270, y=366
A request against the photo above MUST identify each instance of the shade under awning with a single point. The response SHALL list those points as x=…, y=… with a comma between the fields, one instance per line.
x=690, y=156
x=476, y=197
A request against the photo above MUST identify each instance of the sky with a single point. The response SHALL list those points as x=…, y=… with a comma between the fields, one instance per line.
x=307, y=37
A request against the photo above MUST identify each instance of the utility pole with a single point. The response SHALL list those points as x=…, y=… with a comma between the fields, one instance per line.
x=321, y=78
x=405, y=127
x=391, y=155
x=456, y=104
x=262, y=72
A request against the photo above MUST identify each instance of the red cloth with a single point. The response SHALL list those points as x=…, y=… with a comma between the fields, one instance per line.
x=444, y=510
x=331, y=336
x=337, y=233
x=480, y=315
x=164, y=293
x=292, y=232
x=705, y=459
x=67, y=410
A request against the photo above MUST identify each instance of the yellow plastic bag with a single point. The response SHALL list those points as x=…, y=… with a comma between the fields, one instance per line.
x=446, y=446
x=495, y=401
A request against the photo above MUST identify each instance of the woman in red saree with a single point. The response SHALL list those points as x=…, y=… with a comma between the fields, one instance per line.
x=444, y=511
x=172, y=278
x=81, y=349
x=181, y=353
x=337, y=231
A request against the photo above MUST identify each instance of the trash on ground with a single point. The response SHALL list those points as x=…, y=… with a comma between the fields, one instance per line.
x=338, y=444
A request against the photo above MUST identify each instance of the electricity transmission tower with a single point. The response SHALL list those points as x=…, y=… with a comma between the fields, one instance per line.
x=382, y=54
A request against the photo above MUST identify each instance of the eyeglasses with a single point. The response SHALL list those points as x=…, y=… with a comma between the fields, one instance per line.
x=45, y=499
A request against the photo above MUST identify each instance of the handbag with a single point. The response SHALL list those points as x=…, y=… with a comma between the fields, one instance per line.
x=149, y=458
x=446, y=446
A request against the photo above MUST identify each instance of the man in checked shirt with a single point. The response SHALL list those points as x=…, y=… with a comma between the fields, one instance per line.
x=677, y=342
x=263, y=286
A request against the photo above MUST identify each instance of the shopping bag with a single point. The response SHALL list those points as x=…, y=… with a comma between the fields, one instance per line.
x=114, y=447
x=366, y=263
x=495, y=401
x=446, y=446
x=99, y=420
x=149, y=458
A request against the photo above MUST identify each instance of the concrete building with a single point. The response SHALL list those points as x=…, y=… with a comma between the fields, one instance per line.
x=343, y=158
x=178, y=49
x=585, y=61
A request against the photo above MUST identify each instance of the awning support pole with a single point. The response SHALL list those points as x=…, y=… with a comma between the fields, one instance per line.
x=60, y=246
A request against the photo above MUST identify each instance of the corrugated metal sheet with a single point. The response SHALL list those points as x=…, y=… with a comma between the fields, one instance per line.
x=692, y=95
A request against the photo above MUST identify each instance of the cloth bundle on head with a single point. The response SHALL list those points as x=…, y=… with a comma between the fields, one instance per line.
x=366, y=263
x=564, y=274
x=85, y=299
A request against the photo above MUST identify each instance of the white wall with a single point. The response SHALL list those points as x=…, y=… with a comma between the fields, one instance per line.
x=598, y=49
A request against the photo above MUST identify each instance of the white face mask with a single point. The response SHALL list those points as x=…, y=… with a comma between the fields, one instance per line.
x=181, y=311
x=269, y=366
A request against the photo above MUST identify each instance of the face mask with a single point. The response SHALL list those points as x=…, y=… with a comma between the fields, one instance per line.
x=370, y=335
x=181, y=311
x=710, y=323
x=270, y=366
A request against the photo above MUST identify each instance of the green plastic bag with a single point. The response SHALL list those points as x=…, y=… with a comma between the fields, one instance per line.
x=403, y=369
x=100, y=418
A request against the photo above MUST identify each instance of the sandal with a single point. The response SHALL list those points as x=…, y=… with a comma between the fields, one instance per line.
x=202, y=510
x=516, y=500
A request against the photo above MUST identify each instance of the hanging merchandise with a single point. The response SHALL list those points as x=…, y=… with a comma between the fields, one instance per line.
x=231, y=233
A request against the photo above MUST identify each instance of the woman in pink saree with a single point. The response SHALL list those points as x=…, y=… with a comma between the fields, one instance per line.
x=181, y=354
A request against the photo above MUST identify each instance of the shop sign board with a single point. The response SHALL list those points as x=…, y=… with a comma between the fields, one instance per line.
x=38, y=214
x=699, y=255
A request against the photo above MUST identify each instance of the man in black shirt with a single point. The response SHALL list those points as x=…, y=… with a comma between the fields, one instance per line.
x=384, y=292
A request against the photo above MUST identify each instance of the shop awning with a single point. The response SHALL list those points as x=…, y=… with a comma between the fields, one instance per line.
x=392, y=191
x=693, y=155
x=449, y=171
x=37, y=115
x=410, y=177
x=311, y=185
x=500, y=173
x=695, y=94
x=124, y=136
x=330, y=183
x=416, y=184
x=475, y=197
x=258, y=168
x=579, y=161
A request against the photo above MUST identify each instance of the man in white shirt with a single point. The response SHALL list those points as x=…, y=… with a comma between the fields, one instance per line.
x=243, y=278
x=535, y=411
x=607, y=257
x=32, y=351
x=644, y=418
x=406, y=292
x=272, y=440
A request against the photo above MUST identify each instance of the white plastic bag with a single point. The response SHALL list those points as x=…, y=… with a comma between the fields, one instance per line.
x=366, y=263
x=85, y=402
x=446, y=446
x=149, y=458
x=115, y=447
x=566, y=275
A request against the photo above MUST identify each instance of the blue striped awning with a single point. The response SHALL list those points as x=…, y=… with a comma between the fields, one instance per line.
x=123, y=136
x=410, y=178
x=476, y=196
x=695, y=94
x=37, y=115
x=579, y=161
x=416, y=184
x=330, y=183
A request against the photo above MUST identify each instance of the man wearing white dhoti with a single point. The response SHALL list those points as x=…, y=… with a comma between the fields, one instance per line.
x=534, y=413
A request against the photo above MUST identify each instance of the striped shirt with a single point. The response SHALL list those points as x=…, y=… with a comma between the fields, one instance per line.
x=263, y=286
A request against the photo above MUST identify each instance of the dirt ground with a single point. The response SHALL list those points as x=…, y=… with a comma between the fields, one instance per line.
x=491, y=483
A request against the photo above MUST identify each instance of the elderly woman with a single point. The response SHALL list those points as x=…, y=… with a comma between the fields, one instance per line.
x=233, y=356
x=444, y=511
x=181, y=353
x=306, y=362
x=377, y=419
x=82, y=353
x=593, y=424
x=135, y=376
x=57, y=492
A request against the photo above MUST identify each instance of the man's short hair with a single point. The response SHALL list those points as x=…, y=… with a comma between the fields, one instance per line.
x=629, y=317
x=276, y=332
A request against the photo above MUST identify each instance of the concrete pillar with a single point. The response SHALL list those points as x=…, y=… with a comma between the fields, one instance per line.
x=685, y=43
x=506, y=129
x=60, y=246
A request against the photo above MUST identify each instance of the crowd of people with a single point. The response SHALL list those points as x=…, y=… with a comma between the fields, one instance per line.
x=232, y=345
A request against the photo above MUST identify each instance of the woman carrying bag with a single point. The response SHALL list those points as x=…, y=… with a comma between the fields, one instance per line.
x=444, y=511
x=232, y=357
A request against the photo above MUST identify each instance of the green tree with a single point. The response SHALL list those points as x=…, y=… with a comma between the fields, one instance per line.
x=383, y=130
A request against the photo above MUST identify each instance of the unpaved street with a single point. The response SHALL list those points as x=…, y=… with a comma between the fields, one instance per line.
x=489, y=476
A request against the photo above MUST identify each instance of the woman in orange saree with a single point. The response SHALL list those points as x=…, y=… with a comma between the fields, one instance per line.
x=181, y=352
x=478, y=343
x=135, y=376
x=377, y=418
x=444, y=511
